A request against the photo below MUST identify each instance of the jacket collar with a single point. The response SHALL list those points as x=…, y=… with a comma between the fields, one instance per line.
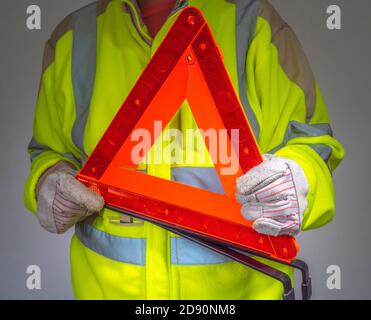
x=132, y=7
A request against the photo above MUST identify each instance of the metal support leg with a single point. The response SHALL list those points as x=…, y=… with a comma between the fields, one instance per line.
x=306, y=285
x=288, y=290
x=241, y=256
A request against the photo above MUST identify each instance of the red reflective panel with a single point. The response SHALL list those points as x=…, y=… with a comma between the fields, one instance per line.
x=187, y=66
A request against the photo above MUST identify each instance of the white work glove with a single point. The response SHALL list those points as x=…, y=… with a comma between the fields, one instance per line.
x=274, y=196
x=63, y=200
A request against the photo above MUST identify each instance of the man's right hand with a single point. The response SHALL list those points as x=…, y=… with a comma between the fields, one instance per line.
x=63, y=200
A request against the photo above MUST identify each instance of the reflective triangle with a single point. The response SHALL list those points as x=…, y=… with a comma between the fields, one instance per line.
x=187, y=66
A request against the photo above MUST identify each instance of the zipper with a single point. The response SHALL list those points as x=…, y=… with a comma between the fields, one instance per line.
x=180, y=4
x=152, y=233
x=138, y=23
x=133, y=10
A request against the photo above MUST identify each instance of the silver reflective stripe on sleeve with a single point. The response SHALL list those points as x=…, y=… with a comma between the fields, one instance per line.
x=36, y=149
x=297, y=129
x=247, y=12
x=323, y=150
x=84, y=26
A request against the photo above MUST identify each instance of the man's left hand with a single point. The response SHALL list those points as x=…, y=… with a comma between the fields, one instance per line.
x=274, y=196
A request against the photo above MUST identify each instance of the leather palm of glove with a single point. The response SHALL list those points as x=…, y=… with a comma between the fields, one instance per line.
x=62, y=200
x=274, y=196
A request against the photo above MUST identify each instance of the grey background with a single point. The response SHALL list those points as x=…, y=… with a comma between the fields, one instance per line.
x=341, y=62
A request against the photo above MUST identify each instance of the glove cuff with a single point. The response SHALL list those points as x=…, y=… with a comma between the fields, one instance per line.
x=61, y=166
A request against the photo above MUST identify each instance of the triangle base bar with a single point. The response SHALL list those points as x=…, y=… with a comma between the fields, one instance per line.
x=221, y=230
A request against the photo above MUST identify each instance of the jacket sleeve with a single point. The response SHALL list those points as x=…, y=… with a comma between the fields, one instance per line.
x=50, y=143
x=291, y=113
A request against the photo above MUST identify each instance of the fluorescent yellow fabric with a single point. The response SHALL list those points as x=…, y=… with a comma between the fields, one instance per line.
x=277, y=101
x=122, y=54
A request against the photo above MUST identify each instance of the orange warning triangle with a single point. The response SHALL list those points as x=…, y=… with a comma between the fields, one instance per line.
x=187, y=66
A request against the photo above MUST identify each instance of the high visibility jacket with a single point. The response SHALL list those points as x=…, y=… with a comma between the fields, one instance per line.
x=91, y=62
